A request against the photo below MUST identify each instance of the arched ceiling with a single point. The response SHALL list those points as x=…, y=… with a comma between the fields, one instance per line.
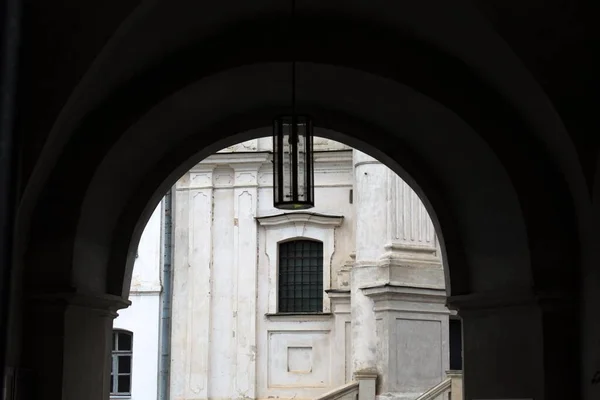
x=126, y=116
x=118, y=38
x=188, y=121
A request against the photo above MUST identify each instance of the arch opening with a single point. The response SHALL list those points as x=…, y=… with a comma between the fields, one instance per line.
x=430, y=152
x=471, y=199
x=476, y=201
x=224, y=204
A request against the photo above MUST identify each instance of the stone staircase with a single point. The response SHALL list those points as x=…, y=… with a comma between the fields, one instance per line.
x=363, y=388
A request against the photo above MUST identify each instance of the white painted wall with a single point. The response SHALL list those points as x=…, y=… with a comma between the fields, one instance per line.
x=142, y=317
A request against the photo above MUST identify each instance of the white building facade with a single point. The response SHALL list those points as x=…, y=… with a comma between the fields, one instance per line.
x=291, y=305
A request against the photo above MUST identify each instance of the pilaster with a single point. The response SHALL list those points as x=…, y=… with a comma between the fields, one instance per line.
x=68, y=340
x=193, y=273
x=371, y=214
x=342, y=340
x=245, y=269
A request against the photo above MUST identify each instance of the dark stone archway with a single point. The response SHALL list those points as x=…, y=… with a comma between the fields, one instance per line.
x=443, y=103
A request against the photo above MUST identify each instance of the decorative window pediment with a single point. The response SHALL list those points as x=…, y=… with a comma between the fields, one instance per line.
x=297, y=218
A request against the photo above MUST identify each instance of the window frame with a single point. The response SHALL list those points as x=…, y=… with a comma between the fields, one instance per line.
x=279, y=228
x=114, y=362
x=321, y=266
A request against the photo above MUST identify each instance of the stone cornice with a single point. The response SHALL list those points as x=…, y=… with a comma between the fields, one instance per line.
x=391, y=292
x=258, y=158
x=360, y=375
x=368, y=162
x=340, y=301
x=333, y=156
x=300, y=217
x=255, y=158
x=404, y=260
x=204, y=168
x=404, y=254
x=401, y=254
x=252, y=169
x=145, y=291
x=338, y=293
x=410, y=248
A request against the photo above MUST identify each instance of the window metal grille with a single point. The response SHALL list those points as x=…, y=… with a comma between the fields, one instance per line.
x=301, y=276
x=122, y=353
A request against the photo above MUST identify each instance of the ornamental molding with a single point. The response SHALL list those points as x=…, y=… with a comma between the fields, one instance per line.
x=342, y=159
x=299, y=317
x=252, y=159
x=391, y=292
x=300, y=217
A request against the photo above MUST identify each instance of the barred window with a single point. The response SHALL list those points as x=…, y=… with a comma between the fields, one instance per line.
x=122, y=352
x=301, y=276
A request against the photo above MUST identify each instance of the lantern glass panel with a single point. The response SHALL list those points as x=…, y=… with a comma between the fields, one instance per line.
x=293, y=173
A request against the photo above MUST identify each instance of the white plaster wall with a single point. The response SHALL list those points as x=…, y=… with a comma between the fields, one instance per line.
x=146, y=270
x=142, y=317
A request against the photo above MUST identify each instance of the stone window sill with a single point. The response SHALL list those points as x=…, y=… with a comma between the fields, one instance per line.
x=299, y=316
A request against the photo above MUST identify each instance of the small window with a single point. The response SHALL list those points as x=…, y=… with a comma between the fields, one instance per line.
x=300, y=276
x=122, y=353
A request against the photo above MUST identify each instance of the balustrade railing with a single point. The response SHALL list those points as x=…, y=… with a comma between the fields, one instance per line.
x=347, y=392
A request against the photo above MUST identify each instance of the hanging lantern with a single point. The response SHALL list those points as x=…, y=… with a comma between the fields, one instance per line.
x=293, y=183
x=293, y=187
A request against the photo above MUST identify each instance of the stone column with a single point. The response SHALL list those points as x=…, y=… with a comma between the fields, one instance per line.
x=531, y=338
x=371, y=235
x=503, y=347
x=68, y=341
x=398, y=294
